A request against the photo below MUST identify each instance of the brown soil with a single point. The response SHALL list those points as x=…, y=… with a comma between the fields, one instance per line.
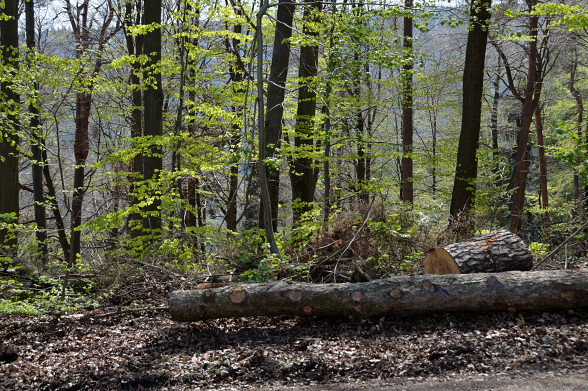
x=149, y=351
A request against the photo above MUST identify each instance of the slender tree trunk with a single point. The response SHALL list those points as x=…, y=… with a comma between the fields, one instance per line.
x=81, y=23
x=520, y=172
x=406, y=173
x=36, y=145
x=236, y=72
x=10, y=100
x=542, y=171
x=268, y=223
x=466, y=170
x=275, y=100
x=579, y=123
x=54, y=207
x=326, y=110
x=81, y=150
x=494, y=120
x=361, y=167
x=135, y=48
x=153, y=110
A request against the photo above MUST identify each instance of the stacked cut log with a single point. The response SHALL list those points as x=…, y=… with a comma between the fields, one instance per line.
x=494, y=252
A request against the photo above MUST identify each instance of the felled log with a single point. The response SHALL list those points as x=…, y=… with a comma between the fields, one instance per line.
x=396, y=296
x=494, y=252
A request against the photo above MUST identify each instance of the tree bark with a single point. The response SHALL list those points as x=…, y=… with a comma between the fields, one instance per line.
x=579, y=123
x=466, y=171
x=153, y=109
x=275, y=100
x=303, y=174
x=135, y=48
x=396, y=296
x=81, y=150
x=81, y=22
x=520, y=171
x=494, y=119
x=542, y=171
x=37, y=144
x=236, y=73
x=9, y=191
x=406, y=171
x=54, y=206
x=494, y=252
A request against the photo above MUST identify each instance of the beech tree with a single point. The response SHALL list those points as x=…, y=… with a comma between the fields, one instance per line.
x=466, y=170
x=10, y=128
x=406, y=173
x=276, y=90
x=303, y=173
x=81, y=19
x=153, y=110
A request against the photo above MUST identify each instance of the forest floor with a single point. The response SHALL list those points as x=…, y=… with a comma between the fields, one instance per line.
x=147, y=350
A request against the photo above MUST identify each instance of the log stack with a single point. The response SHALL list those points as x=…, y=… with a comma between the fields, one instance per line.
x=494, y=252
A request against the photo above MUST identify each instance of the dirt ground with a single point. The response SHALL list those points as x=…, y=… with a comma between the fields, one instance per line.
x=149, y=351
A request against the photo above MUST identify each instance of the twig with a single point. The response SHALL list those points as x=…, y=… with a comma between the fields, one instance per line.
x=367, y=217
x=125, y=311
x=551, y=254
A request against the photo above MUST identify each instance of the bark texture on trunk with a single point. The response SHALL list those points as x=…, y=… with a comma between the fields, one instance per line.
x=153, y=107
x=406, y=172
x=466, y=171
x=133, y=14
x=397, y=296
x=275, y=100
x=37, y=144
x=9, y=191
x=303, y=174
x=520, y=171
x=542, y=171
x=494, y=252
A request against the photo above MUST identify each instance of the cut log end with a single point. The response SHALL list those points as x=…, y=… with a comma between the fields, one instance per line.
x=494, y=252
x=439, y=261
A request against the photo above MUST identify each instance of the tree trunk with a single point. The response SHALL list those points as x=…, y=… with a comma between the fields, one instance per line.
x=303, y=175
x=494, y=120
x=36, y=145
x=579, y=121
x=81, y=23
x=9, y=191
x=494, y=252
x=236, y=72
x=542, y=171
x=275, y=100
x=406, y=172
x=54, y=206
x=396, y=296
x=466, y=170
x=135, y=48
x=520, y=171
x=81, y=150
x=326, y=110
x=153, y=109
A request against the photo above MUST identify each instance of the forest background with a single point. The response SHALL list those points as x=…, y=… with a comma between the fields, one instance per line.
x=320, y=141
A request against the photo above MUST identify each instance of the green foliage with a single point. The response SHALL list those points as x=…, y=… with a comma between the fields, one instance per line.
x=575, y=154
x=41, y=295
x=573, y=17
